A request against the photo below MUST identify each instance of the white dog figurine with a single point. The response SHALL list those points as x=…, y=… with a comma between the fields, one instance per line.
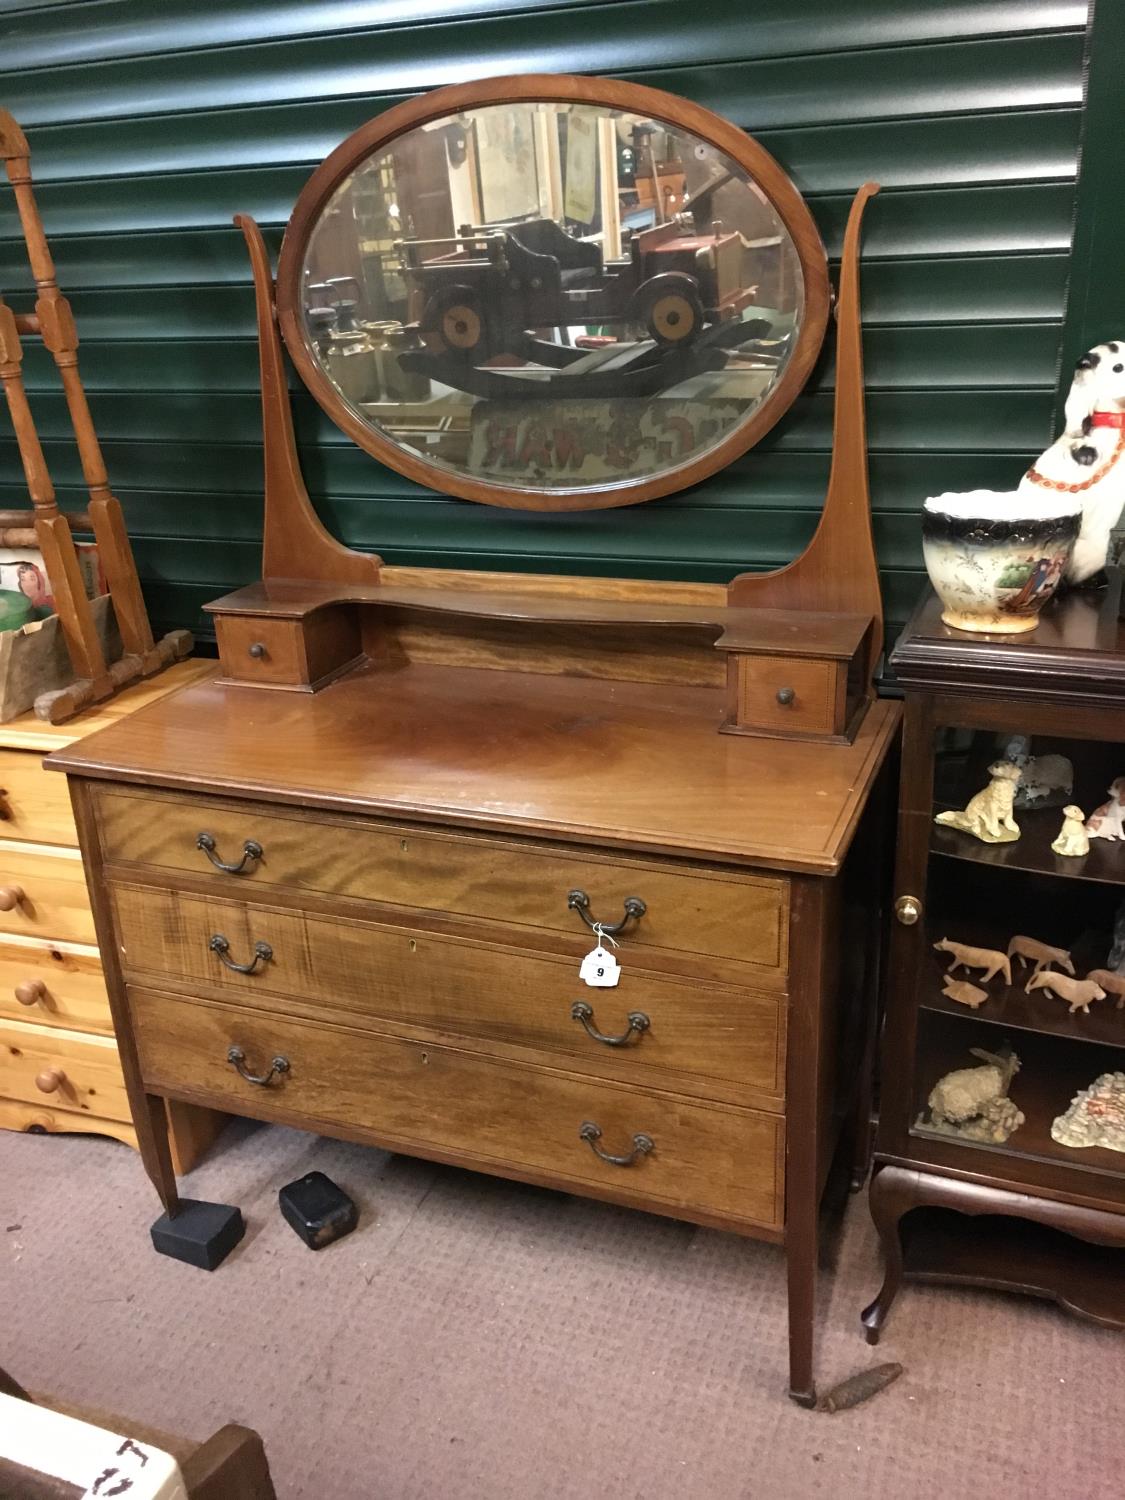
x=1108, y=821
x=1088, y=460
x=1073, y=840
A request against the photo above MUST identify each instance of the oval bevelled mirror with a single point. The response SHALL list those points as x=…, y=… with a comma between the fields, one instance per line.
x=554, y=293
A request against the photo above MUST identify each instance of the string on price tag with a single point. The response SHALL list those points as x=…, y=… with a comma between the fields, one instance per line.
x=599, y=968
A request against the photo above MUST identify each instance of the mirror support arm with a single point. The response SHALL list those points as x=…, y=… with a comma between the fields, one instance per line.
x=294, y=544
x=838, y=569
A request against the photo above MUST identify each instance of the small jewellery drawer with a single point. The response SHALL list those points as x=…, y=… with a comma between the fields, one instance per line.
x=43, y=893
x=364, y=973
x=788, y=694
x=34, y=805
x=664, y=907
x=53, y=984
x=62, y=1070
x=652, y=1149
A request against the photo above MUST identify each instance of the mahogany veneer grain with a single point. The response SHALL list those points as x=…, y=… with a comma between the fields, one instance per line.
x=627, y=764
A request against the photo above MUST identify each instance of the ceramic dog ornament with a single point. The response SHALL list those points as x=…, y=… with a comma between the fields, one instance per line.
x=1088, y=460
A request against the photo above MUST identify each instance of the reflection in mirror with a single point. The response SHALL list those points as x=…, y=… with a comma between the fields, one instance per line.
x=552, y=295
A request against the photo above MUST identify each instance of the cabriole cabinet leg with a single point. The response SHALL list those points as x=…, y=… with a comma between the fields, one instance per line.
x=889, y=1197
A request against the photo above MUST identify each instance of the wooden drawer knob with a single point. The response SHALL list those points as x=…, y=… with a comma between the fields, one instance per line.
x=31, y=992
x=10, y=897
x=50, y=1080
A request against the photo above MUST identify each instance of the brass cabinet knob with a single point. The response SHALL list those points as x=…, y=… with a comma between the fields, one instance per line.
x=908, y=909
x=785, y=696
x=31, y=991
x=50, y=1080
x=10, y=897
x=258, y=651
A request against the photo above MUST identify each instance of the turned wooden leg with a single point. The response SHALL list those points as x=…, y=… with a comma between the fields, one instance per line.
x=889, y=1197
x=153, y=1138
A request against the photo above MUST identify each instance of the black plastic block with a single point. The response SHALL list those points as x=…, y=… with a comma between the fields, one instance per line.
x=318, y=1210
x=202, y=1234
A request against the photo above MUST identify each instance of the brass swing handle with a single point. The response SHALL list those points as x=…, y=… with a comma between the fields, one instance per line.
x=220, y=945
x=592, y=1134
x=251, y=851
x=237, y=1057
x=584, y=1012
x=578, y=901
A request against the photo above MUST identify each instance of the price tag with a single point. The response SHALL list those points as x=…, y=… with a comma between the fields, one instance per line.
x=600, y=969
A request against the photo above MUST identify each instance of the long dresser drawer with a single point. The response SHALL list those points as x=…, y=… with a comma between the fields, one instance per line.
x=34, y=805
x=700, y=1037
x=43, y=893
x=53, y=984
x=62, y=1071
x=432, y=1100
x=693, y=912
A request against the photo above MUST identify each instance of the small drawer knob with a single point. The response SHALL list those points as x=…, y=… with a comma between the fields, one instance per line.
x=31, y=992
x=908, y=909
x=258, y=650
x=10, y=897
x=50, y=1080
x=785, y=696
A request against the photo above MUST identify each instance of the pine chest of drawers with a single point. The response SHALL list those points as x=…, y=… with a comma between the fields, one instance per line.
x=59, y=1066
x=316, y=911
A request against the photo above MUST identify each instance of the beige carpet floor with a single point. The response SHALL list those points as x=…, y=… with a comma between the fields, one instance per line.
x=480, y=1340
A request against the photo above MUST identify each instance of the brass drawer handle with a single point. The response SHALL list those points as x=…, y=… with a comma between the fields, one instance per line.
x=638, y=1022
x=592, y=1134
x=578, y=901
x=279, y=1066
x=262, y=955
x=251, y=851
x=785, y=696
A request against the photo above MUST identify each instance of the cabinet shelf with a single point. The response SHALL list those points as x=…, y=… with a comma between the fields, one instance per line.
x=1032, y=854
x=1050, y=1075
x=1008, y=1006
x=1016, y=1255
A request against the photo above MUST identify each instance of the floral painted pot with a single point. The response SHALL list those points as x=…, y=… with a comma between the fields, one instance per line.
x=995, y=559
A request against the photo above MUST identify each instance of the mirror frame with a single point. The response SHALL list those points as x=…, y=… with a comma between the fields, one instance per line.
x=669, y=109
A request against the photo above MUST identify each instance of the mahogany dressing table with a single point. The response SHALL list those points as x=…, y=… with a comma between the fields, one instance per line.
x=348, y=885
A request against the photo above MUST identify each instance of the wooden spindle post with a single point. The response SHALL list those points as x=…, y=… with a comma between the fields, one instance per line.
x=52, y=529
x=57, y=328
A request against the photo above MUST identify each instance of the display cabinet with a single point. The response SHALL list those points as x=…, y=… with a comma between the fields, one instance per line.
x=1028, y=1213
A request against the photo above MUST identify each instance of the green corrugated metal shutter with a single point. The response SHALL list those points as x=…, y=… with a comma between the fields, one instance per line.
x=151, y=125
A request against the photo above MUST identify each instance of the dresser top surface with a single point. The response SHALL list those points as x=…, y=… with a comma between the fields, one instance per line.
x=622, y=764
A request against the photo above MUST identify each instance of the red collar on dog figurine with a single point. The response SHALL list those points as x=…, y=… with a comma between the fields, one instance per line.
x=1112, y=419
